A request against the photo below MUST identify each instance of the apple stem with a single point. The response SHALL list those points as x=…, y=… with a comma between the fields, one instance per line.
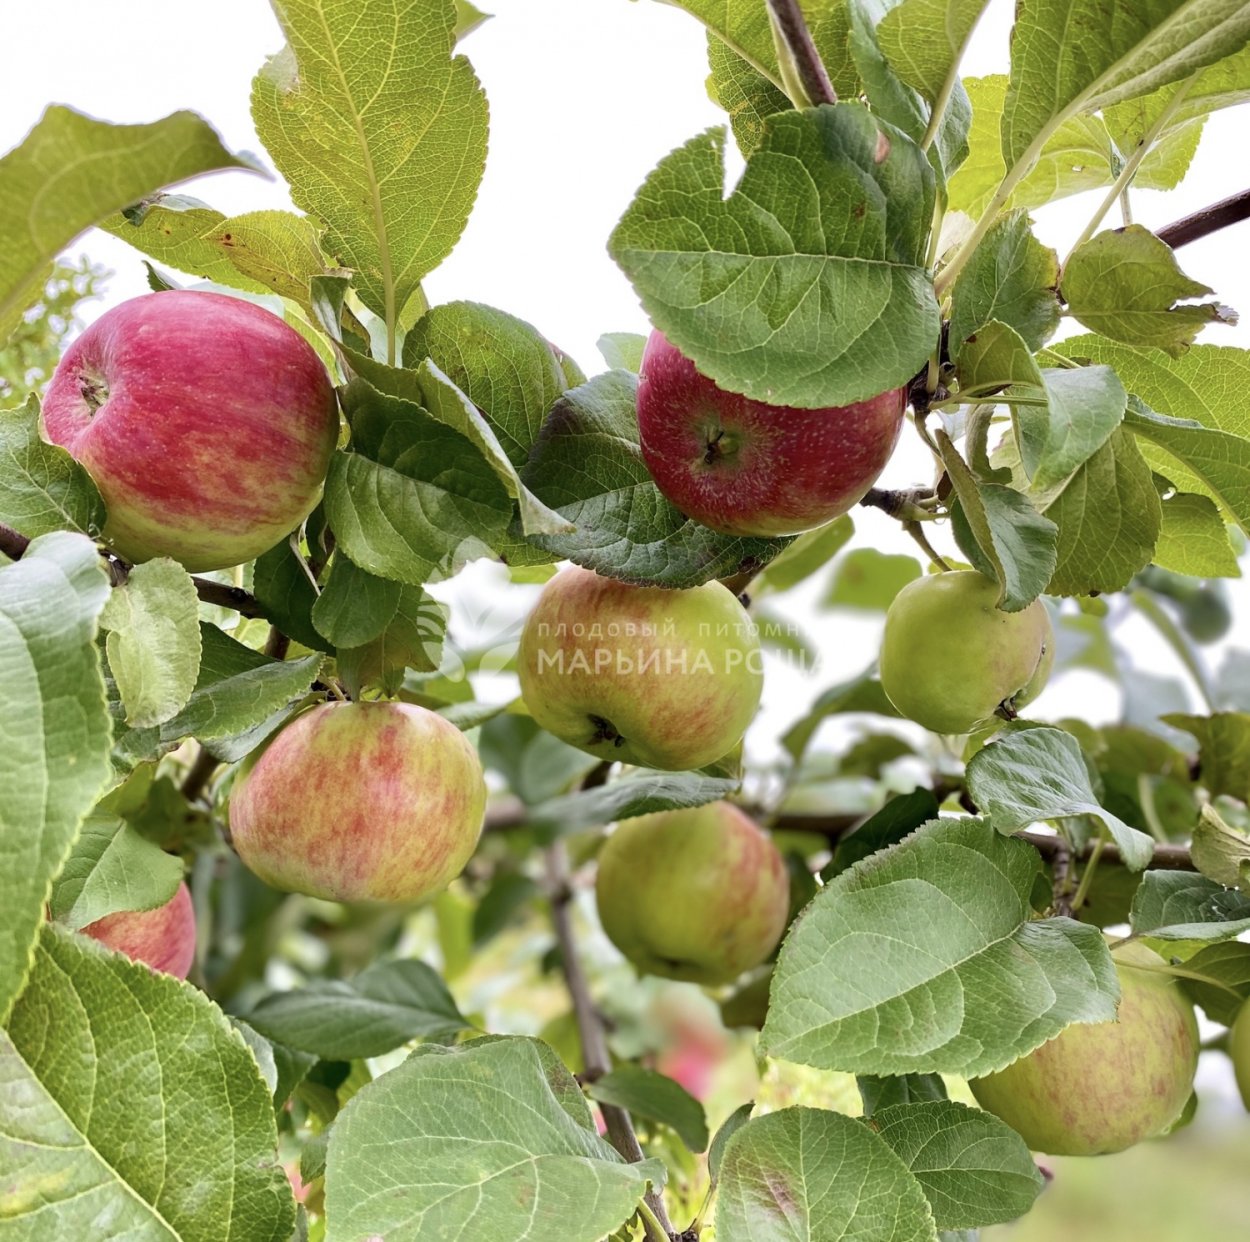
x=595, y=1058
x=1087, y=873
x=791, y=27
x=916, y=531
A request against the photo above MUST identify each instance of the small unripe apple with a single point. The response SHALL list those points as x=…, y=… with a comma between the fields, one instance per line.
x=1101, y=1087
x=665, y=679
x=950, y=657
x=206, y=422
x=1239, y=1050
x=360, y=802
x=699, y=895
x=743, y=467
x=163, y=938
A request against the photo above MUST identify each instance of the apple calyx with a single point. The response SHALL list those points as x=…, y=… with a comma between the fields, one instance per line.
x=605, y=731
x=95, y=391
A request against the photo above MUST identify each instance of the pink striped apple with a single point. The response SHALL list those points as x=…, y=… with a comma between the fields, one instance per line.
x=206, y=422
x=163, y=938
x=360, y=802
x=699, y=894
x=743, y=467
x=641, y=674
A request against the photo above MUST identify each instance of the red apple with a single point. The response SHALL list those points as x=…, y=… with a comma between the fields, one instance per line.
x=699, y=895
x=163, y=938
x=746, y=468
x=205, y=421
x=360, y=802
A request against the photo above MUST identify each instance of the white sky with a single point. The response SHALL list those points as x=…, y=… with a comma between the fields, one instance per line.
x=586, y=96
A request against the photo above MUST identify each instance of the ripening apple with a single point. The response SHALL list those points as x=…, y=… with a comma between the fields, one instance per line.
x=163, y=938
x=950, y=657
x=379, y=802
x=665, y=679
x=206, y=422
x=1239, y=1050
x=699, y=895
x=743, y=467
x=1101, y=1087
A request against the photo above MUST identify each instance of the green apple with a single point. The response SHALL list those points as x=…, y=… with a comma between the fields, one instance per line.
x=1239, y=1050
x=163, y=938
x=950, y=658
x=1101, y=1087
x=360, y=802
x=665, y=679
x=699, y=895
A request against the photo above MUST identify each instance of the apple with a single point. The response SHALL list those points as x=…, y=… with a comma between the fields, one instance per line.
x=1239, y=1050
x=699, y=895
x=666, y=679
x=743, y=467
x=950, y=657
x=205, y=421
x=163, y=938
x=1101, y=1087
x=377, y=802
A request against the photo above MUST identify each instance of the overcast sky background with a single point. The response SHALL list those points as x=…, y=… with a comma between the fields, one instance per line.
x=585, y=96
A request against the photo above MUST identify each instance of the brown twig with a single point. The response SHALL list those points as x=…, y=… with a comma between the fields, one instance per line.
x=1231, y=210
x=792, y=27
x=199, y=774
x=596, y=1061
x=14, y=544
x=1061, y=873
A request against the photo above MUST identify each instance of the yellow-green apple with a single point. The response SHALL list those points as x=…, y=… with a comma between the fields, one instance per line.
x=666, y=679
x=699, y=894
x=950, y=658
x=360, y=802
x=163, y=938
x=205, y=421
x=743, y=467
x=1239, y=1050
x=1101, y=1087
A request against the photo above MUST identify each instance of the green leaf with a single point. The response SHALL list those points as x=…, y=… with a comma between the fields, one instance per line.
x=1082, y=411
x=745, y=94
x=805, y=1172
x=1227, y=964
x=1125, y=284
x=975, y=1169
x=153, y=642
x=992, y=358
x=177, y=230
x=587, y=465
x=646, y=1093
x=478, y=1141
x=1108, y=516
x=381, y=1008
x=622, y=351
x=111, y=868
x=42, y=488
x=535, y=765
x=71, y=171
x=900, y=817
x=624, y=799
x=381, y=133
x=1223, y=750
x=1115, y=56
x=869, y=580
x=925, y=40
x=286, y=594
x=1219, y=850
x=810, y=552
x=1193, y=539
x=1011, y=278
x=412, y=638
x=862, y=693
x=276, y=250
x=1040, y=774
x=884, y=973
x=877, y=1092
x=140, y=1106
x=1178, y=905
x=54, y=756
x=354, y=607
x=502, y=364
x=413, y=498
x=1198, y=458
x=1000, y=531
x=729, y=1127
x=807, y=286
